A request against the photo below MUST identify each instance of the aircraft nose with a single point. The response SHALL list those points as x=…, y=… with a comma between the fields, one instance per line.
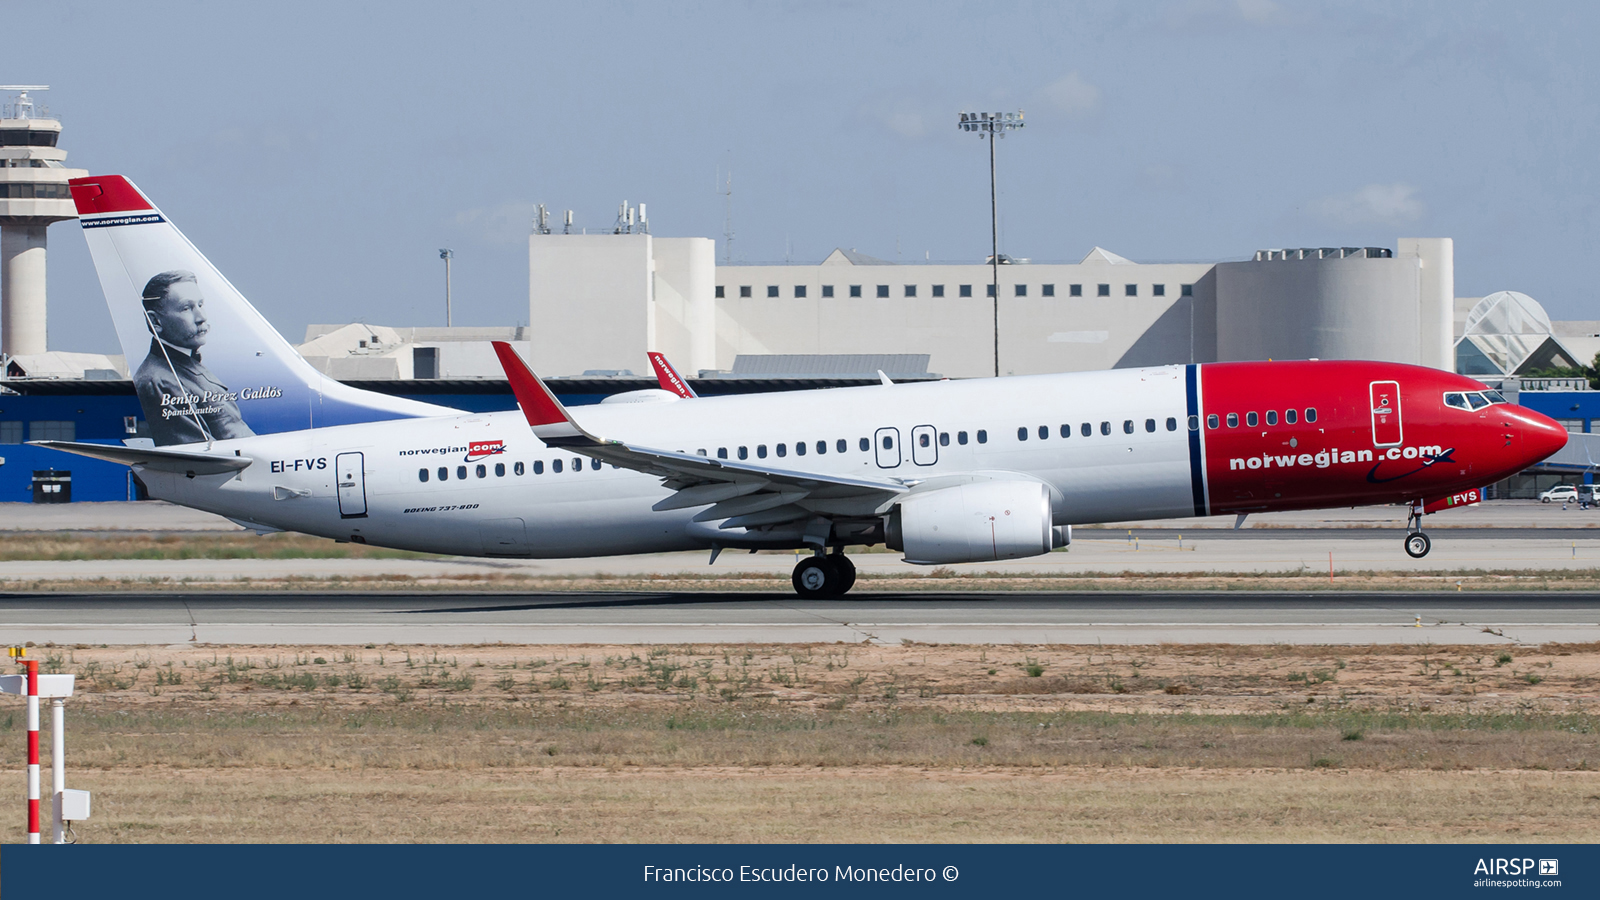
x=1541, y=435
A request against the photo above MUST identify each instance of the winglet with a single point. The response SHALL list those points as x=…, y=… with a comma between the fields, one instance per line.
x=544, y=412
x=669, y=378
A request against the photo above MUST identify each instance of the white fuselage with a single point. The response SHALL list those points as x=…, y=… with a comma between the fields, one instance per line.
x=910, y=432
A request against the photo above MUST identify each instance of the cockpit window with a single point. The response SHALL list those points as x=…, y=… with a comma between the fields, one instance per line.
x=1472, y=400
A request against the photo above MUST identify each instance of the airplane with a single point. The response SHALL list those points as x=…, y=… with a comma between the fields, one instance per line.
x=947, y=472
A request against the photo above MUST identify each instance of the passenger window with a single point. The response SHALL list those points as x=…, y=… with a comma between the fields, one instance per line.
x=595, y=465
x=444, y=474
x=1211, y=420
x=1150, y=424
x=1311, y=414
x=1105, y=427
x=944, y=438
x=700, y=452
x=1022, y=434
x=761, y=451
x=1194, y=423
x=1459, y=401
x=1233, y=420
x=1044, y=432
x=1127, y=426
x=483, y=471
x=744, y=452
x=555, y=466
x=1066, y=431
x=499, y=470
x=1289, y=416
x=799, y=448
x=822, y=447
x=1478, y=401
x=1086, y=429
x=865, y=445
x=1250, y=419
x=577, y=464
x=888, y=442
x=925, y=440
x=841, y=446
x=983, y=436
x=517, y=469
x=422, y=475
x=961, y=438
x=783, y=449
x=461, y=472
x=538, y=467
x=1272, y=417
x=722, y=453
x=1172, y=424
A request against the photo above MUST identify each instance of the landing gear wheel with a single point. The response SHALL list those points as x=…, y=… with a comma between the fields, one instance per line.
x=846, y=569
x=816, y=578
x=1418, y=545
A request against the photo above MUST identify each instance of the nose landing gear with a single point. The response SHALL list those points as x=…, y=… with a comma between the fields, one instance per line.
x=1417, y=543
x=824, y=577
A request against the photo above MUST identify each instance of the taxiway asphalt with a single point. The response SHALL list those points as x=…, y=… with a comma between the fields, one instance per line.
x=679, y=617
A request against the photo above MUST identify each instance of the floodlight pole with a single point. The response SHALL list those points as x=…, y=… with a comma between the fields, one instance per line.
x=447, y=255
x=993, y=126
x=994, y=255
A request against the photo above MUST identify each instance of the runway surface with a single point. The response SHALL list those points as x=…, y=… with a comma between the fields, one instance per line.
x=688, y=617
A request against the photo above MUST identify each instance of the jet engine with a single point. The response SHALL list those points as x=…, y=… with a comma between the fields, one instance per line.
x=977, y=522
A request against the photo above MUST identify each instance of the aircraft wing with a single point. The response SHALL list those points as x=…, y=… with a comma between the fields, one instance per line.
x=745, y=495
x=183, y=462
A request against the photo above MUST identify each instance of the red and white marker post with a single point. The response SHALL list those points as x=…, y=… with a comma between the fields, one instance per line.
x=32, y=666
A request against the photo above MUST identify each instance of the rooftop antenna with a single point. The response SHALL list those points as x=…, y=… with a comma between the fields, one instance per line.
x=541, y=221
x=644, y=223
x=725, y=188
x=567, y=227
x=21, y=107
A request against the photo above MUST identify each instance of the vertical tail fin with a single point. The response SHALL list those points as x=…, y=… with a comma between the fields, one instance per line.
x=669, y=378
x=207, y=365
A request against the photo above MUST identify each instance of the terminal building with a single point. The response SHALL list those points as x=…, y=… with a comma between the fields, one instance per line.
x=600, y=302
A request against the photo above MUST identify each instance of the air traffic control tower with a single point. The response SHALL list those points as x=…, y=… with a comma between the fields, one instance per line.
x=33, y=194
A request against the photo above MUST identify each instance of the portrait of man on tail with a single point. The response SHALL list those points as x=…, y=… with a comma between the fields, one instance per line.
x=183, y=402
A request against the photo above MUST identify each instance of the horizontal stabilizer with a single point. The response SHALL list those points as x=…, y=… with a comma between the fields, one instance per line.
x=183, y=462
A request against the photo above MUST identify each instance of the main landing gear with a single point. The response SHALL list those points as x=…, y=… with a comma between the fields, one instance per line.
x=824, y=577
x=1417, y=543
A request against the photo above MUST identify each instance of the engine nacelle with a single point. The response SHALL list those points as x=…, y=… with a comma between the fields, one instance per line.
x=977, y=522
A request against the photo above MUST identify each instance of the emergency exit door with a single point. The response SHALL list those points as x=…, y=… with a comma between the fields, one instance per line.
x=886, y=444
x=1386, y=429
x=349, y=469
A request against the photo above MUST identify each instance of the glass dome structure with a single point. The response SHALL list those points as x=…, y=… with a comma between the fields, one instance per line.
x=1509, y=333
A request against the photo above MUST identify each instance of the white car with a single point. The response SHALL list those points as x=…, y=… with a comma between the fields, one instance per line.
x=1564, y=493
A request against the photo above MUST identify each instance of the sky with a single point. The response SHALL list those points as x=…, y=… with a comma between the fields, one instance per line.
x=322, y=153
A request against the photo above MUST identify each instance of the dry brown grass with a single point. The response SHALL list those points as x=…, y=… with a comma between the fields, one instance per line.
x=868, y=805
x=832, y=742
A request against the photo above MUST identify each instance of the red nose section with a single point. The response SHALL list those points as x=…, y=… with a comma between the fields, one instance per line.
x=1542, y=436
